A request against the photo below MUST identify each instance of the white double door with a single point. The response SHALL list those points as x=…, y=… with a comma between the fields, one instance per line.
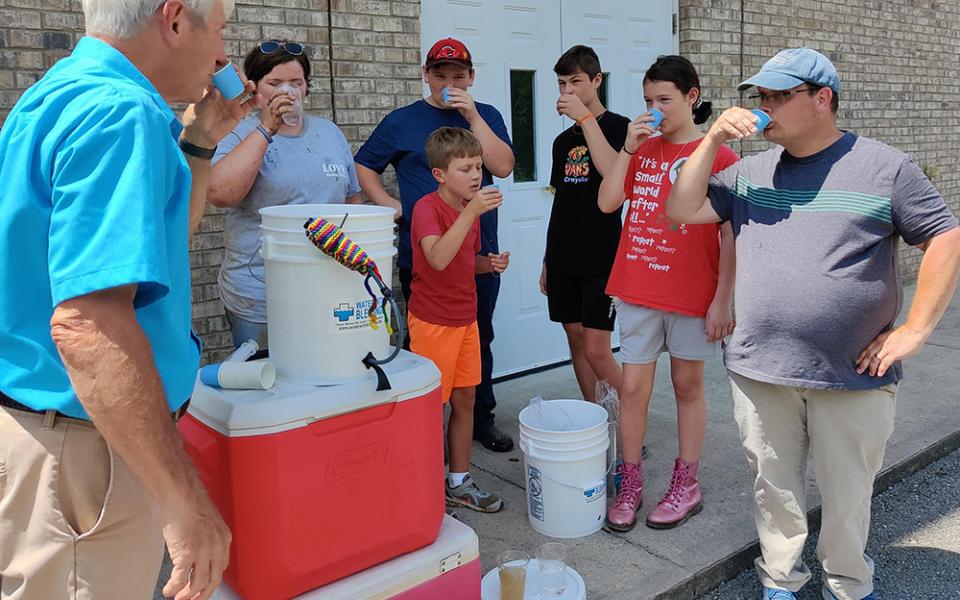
x=515, y=45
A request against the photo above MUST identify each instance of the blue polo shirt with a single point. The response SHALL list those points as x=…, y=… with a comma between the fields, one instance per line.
x=95, y=195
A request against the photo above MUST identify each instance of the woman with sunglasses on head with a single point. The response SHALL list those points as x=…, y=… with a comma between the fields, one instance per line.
x=275, y=156
x=672, y=284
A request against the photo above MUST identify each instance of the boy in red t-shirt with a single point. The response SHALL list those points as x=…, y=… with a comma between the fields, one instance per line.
x=442, y=313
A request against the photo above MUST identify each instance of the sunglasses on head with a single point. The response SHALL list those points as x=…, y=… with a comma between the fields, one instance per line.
x=272, y=46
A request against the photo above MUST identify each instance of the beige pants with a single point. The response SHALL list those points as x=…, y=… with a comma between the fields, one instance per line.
x=846, y=433
x=75, y=523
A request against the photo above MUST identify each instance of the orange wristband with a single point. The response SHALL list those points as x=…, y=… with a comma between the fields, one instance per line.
x=584, y=118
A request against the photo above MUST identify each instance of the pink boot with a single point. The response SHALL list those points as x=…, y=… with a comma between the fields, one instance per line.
x=682, y=501
x=622, y=515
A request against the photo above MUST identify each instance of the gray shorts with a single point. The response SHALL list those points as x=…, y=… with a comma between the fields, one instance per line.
x=647, y=332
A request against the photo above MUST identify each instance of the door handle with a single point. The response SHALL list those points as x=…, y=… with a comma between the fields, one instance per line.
x=550, y=189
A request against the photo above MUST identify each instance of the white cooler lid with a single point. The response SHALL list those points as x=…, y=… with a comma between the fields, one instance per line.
x=287, y=405
x=456, y=545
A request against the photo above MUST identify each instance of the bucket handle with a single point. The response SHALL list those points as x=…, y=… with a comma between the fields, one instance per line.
x=250, y=261
x=530, y=455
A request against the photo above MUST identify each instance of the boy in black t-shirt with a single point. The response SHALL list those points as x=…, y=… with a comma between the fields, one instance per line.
x=581, y=239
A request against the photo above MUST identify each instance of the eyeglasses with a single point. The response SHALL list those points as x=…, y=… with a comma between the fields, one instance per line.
x=272, y=46
x=777, y=98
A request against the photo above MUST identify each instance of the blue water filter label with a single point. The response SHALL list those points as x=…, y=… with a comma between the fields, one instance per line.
x=535, y=492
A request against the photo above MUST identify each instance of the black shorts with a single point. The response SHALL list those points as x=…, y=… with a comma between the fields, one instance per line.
x=580, y=299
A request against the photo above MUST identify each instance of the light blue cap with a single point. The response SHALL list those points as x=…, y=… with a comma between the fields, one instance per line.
x=793, y=67
x=210, y=375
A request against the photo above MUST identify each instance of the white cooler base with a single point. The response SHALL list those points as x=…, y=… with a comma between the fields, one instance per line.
x=456, y=547
x=575, y=590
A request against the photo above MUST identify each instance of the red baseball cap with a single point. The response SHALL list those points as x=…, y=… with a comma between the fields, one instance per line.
x=448, y=50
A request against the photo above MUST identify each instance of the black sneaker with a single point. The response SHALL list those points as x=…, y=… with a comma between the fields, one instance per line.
x=493, y=439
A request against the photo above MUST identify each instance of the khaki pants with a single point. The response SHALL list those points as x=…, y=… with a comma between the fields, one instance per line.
x=846, y=432
x=75, y=523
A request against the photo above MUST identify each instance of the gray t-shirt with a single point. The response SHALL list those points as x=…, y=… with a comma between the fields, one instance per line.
x=817, y=266
x=315, y=167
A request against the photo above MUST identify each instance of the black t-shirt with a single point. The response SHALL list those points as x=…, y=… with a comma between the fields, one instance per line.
x=581, y=239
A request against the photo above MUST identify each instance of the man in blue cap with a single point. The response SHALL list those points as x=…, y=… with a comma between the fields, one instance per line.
x=815, y=359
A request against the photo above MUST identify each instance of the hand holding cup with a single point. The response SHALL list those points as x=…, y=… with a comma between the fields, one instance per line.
x=638, y=131
x=206, y=122
x=485, y=200
x=570, y=105
x=277, y=106
x=736, y=123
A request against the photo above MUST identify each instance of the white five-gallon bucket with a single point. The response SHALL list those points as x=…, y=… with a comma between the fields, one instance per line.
x=564, y=444
x=317, y=309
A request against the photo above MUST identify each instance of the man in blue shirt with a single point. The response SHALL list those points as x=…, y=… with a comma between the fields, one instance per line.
x=399, y=141
x=96, y=350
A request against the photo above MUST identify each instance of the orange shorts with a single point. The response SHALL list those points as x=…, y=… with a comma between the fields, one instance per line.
x=455, y=351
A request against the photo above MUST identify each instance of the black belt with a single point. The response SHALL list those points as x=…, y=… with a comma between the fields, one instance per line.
x=9, y=402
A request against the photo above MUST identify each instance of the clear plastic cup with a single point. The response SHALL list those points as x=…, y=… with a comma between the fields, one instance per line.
x=295, y=117
x=512, y=567
x=552, y=559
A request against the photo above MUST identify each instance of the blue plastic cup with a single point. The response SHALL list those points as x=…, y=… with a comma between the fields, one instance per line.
x=227, y=80
x=763, y=119
x=657, y=118
x=445, y=94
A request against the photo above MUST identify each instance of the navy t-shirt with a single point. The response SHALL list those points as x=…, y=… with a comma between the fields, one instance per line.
x=399, y=140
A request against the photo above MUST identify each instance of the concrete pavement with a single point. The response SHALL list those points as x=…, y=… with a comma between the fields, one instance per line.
x=720, y=542
x=914, y=541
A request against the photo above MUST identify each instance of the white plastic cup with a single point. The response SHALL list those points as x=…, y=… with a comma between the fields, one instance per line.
x=257, y=375
x=227, y=80
x=245, y=351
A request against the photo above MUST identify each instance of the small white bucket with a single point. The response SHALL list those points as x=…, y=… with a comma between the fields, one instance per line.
x=564, y=445
x=317, y=309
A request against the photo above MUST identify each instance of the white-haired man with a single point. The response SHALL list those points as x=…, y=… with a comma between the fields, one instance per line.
x=102, y=189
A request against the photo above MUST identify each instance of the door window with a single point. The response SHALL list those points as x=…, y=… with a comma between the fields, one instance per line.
x=522, y=116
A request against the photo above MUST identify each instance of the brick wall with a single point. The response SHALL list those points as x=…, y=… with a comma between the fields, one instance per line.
x=365, y=56
x=895, y=59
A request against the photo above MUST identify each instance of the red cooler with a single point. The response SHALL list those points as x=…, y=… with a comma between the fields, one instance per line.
x=318, y=483
x=448, y=569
